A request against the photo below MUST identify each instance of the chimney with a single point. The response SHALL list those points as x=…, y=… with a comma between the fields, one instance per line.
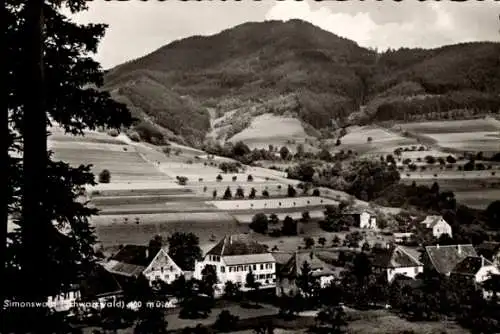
x=459, y=250
x=147, y=253
x=482, y=261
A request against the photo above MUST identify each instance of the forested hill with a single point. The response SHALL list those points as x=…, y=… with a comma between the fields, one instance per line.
x=322, y=76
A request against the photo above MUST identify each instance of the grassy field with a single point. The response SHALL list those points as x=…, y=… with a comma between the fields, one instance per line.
x=437, y=127
x=268, y=129
x=383, y=141
x=115, y=230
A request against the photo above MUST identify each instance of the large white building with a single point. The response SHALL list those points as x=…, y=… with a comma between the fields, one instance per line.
x=234, y=257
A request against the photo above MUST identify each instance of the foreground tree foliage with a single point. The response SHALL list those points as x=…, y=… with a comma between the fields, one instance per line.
x=184, y=249
x=72, y=99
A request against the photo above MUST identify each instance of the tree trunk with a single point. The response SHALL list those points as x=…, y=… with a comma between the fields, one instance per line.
x=34, y=223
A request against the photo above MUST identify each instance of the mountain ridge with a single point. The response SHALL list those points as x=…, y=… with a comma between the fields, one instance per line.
x=325, y=76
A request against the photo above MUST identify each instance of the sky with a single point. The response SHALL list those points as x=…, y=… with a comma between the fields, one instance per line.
x=137, y=28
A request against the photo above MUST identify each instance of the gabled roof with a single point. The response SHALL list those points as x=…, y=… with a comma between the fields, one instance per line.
x=233, y=260
x=133, y=254
x=445, y=258
x=470, y=265
x=293, y=267
x=489, y=249
x=394, y=257
x=237, y=245
x=431, y=221
x=124, y=269
x=99, y=283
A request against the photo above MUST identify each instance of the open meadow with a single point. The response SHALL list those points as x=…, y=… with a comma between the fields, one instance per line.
x=268, y=129
x=372, y=140
x=477, y=135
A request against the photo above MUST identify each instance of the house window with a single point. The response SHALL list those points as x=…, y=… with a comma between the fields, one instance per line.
x=262, y=276
x=261, y=267
x=416, y=270
x=254, y=267
x=171, y=268
x=161, y=269
x=240, y=268
x=167, y=277
x=222, y=269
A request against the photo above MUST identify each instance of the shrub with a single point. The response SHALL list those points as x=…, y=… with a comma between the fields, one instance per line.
x=134, y=136
x=227, y=194
x=265, y=194
x=249, y=178
x=235, y=178
x=219, y=178
x=113, y=133
x=259, y=223
x=316, y=192
x=226, y=322
x=104, y=176
x=291, y=191
x=240, y=193
x=182, y=180
x=252, y=193
x=369, y=139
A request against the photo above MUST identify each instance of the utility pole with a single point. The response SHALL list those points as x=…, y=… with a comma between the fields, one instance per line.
x=34, y=217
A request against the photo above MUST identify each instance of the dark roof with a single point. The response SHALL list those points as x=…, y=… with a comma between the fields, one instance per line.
x=394, y=257
x=293, y=267
x=488, y=249
x=133, y=254
x=99, y=283
x=431, y=221
x=445, y=258
x=237, y=245
x=470, y=265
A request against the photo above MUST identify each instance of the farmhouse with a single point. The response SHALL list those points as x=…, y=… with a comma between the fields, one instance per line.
x=292, y=269
x=234, y=257
x=364, y=218
x=491, y=251
x=396, y=260
x=474, y=268
x=133, y=260
x=443, y=259
x=438, y=225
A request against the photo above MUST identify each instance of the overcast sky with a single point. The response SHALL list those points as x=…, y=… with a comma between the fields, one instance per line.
x=137, y=28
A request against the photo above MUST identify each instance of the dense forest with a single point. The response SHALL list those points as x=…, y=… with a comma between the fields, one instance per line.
x=328, y=77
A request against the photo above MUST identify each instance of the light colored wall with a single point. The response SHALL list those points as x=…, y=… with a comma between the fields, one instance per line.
x=163, y=268
x=442, y=227
x=411, y=272
x=227, y=273
x=64, y=302
x=484, y=273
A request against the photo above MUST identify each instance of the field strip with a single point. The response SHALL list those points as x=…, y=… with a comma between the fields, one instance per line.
x=283, y=203
x=159, y=218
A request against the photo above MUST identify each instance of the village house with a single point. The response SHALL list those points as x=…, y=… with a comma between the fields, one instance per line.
x=474, y=268
x=292, y=269
x=396, y=260
x=134, y=260
x=234, y=257
x=98, y=287
x=491, y=251
x=438, y=225
x=443, y=259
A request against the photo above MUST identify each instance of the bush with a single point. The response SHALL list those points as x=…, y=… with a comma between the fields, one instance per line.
x=249, y=178
x=316, y=192
x=291, y=191
x=226, y=322
x=369, y=139
x=134, y=136
x=259, y=223
x=227, y=194
x=265, y=194
x=235, y=178
x=104, y=176
x=219, y=178
x=113, y=133
x=182, y=180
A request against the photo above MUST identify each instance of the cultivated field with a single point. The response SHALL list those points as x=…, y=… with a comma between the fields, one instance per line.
x=279, y=203
x=315, y=214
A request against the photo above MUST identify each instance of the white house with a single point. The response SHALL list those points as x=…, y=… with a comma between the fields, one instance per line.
x=133, y=260
x=367, y=221
x=66, y=300
x=234, y=257
x=475, y=268
x=438, y=225
x=396, y=260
